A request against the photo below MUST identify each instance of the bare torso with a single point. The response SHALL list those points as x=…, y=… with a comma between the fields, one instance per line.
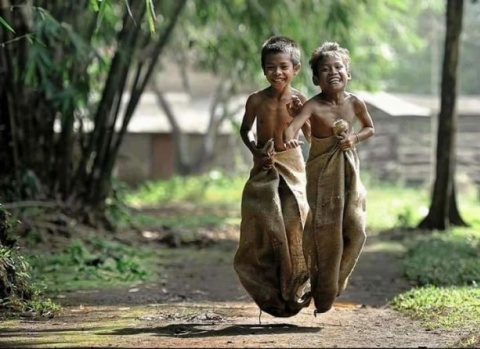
x=272, y=116
x=325, y=113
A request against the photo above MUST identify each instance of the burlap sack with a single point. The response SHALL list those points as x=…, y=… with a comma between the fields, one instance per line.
x=335, y=230
x=269, y=260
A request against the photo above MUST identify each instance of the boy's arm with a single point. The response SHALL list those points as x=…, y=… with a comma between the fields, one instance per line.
x=299, y=121
x=307, y=131
x=366, y=125
x=367, y=129
x=260, y=159
x=306, y=128
x=246, y=129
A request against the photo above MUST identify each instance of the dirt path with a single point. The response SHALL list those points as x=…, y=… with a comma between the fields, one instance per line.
x=200, y=303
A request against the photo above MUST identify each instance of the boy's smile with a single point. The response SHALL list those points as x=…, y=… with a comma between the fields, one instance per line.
x=332, y=73
x=279, y=69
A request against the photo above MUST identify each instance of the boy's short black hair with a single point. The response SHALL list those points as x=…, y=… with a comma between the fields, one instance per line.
x=328, y=49
x=281, y=44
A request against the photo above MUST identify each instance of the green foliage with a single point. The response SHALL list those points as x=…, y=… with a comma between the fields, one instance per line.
x=91, y=264
x=212, y=187
x=75, y=74
x=390, y=205
x=17, y=293
x=445, y=259
x=445, y=267
x=447, y=307
x=416, y=67
x=208, y=29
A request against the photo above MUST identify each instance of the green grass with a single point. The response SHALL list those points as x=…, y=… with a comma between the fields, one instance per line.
x=211, y=188
x=390, y=206
x=442, y=307
x=92, y=264
x=445, y=267
x=444, y=258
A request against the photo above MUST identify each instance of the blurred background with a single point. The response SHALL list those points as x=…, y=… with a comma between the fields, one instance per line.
x=119, y=127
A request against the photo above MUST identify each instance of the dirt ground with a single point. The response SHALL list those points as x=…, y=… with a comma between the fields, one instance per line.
x=199, y=303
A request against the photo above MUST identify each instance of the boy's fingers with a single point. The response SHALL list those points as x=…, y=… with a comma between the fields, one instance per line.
x=293, y=144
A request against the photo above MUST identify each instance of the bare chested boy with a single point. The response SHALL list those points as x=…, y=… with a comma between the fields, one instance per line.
x=335, y=231
x=269, y=261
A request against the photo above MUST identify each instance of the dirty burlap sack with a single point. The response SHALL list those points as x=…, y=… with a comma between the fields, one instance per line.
x=335, y=230
x=269, y=260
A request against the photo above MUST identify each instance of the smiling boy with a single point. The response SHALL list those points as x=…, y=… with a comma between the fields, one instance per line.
x=335, y=230
x=269, y=260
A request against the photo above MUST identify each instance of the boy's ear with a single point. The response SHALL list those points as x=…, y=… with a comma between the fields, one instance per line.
x=349, y=75
x=315, y=80
x=297, y=68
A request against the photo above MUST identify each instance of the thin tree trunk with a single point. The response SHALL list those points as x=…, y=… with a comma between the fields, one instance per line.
x=439, y=214
x=454, y=213
x=182, y=162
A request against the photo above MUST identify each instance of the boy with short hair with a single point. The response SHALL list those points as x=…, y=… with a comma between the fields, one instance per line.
x=269, y=260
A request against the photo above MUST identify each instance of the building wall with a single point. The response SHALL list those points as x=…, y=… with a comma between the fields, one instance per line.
x=134, y=163
x=163, y=156
x=146, y=156
x=404, y=148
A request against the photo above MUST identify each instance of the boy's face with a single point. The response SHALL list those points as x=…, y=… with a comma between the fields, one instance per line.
x=279, y=69
x=332, y=74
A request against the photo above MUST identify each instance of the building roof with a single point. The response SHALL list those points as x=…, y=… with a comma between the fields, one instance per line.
x=193, y=114
x=466, y=105
x=393, y=105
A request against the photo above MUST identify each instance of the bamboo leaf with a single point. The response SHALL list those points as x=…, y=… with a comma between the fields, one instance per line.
x=101, y=13
x=6, y=25
x=129, y=10
x=150, y=16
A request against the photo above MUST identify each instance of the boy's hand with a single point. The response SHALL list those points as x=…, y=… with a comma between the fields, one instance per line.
x=265, y=161
x=293, y=143
x=289, y=139
x=264, y=157
x=347, y=143
x=294, y=105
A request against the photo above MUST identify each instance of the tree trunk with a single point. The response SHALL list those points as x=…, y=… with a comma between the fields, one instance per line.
x=443, y=198
x=6, y=238
x=454, y=213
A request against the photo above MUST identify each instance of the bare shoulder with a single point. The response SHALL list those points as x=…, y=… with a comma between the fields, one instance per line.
x=355, y=98
x=299, y=94
x=315, y=101
x=357, y=102
x=256, y=97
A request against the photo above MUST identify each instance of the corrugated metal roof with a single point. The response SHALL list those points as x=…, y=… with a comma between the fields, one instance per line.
x=466, y=105
x=392, y=104
x=193, y=114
